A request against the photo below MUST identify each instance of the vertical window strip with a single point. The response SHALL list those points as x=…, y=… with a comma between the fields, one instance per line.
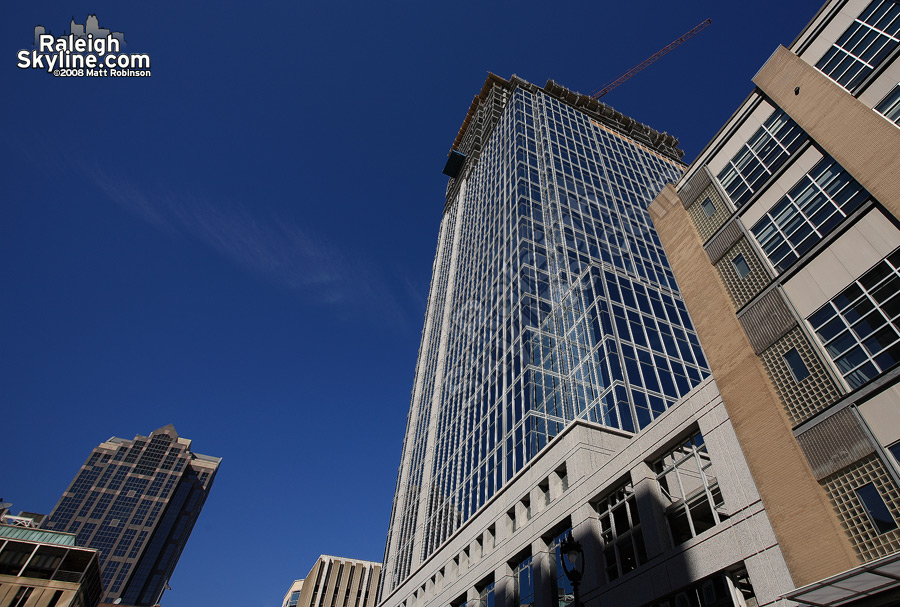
x=860, y=327
x=620, y=529
x=688, y=482
x=562, y=588
x=768, y=149
x=812, y=208
x=890, y=106
x=864, y=45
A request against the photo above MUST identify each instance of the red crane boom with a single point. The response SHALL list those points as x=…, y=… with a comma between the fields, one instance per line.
x=651, y=59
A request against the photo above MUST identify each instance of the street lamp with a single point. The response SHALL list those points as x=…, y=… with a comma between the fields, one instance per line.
x=572, y=552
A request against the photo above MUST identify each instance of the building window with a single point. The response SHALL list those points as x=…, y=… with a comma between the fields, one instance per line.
x=486, y=596
x=620, y=528
x=54, y=600
x=740, y=265
x=689, y=485
x=720, y=590
x=895, y=451
x=890, y=106
x=14, y=556
x=858, y=327
x=811, y=209
x=21, y=596
x=876, y=509
x=708, y=207
x=524, y=583
x=768, y=149
x=795, y=363
x=562, y=587
x=294, y=599
x=869, y=39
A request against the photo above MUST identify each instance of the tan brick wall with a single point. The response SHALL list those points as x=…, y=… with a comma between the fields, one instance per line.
x=808, y=531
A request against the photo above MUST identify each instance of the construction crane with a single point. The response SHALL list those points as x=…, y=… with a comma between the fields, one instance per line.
x=651, y=59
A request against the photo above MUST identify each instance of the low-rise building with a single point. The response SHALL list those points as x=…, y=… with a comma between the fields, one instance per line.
x=336, y=582
x=41, y=568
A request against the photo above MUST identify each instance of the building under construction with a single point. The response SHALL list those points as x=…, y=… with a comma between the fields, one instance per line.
x=561, y=389
x=583, y=430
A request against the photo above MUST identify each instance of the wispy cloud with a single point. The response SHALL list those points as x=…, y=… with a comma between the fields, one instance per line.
x=271, y=248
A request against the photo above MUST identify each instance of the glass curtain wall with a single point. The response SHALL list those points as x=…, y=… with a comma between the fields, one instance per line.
x=562, y=306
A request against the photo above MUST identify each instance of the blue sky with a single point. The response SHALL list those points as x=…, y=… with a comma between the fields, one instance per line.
x=241, y=244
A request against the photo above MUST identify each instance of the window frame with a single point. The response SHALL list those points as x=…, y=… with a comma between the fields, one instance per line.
x=869, y=505
x=621, y=498
x=741, y=273
x=796, y=365
x=860, y=317
x=686, y=503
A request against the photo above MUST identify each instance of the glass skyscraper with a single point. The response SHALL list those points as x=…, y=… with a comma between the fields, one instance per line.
x=136, y=501
x=551, y=300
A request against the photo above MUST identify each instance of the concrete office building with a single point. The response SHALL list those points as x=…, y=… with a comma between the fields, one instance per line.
x=336, y=582
x=136, y=501
x=292, y=596
x=41, y=568
x=560, y=384
x=784, y=236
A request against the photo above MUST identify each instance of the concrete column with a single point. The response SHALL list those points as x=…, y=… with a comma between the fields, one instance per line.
x=490, y=539
x=586, y=531
x=556, y=487
x=504, y=528
x=504, y=587
x=522, y=514
x=651, y=509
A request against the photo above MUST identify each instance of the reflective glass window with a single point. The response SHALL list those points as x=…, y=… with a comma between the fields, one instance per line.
x=812, y=208
x=762, y=155
x=860, y=327
x=740, y=265
x=864, y=45
x=890, y=105
x=876, y=509
x=620, y=529
x=562, y=587
x=690, y=489
x=523, y=577
x=796, y=365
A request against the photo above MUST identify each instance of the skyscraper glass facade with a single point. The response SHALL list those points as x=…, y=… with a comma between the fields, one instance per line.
x=136, y=501
x=551, y=300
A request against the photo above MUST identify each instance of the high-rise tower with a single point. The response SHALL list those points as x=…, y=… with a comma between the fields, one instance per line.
x=136, y=501
x=551, y=300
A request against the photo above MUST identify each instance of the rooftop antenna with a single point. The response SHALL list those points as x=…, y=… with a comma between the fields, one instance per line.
x=651, y=59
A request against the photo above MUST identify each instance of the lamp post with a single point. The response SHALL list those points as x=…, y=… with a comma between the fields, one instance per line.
x=572, y=552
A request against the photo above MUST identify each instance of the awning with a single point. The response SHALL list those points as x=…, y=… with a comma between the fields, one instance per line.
x=869, y=580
